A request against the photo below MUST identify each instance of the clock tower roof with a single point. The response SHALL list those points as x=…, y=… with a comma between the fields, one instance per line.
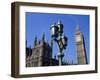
x=77, y=27
x=77, y=30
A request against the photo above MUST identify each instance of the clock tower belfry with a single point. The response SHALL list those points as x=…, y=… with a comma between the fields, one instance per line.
x=80, y=46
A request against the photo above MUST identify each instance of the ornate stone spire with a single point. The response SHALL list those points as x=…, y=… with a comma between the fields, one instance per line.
x=35, y=41
x=77, y=30
x=77, y=27
x=43, y=37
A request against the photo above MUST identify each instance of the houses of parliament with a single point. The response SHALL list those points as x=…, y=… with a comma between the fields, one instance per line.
x=41, y=53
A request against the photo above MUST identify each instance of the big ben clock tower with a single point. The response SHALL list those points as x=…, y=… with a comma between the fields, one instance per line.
x=80, y=47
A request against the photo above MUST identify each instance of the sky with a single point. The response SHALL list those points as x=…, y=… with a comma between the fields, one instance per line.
x=39, y=23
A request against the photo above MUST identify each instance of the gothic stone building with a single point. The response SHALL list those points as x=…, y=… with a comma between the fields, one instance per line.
x=40, y=54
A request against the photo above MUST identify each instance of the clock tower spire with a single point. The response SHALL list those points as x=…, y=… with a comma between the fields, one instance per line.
x=80, y=46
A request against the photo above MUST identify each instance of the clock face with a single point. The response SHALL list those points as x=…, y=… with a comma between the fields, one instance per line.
x=78, y=38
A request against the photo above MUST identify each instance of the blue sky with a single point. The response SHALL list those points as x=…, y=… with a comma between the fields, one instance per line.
x=37, y=23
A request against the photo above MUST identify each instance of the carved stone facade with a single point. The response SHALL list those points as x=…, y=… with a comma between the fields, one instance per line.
x=40, y=54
